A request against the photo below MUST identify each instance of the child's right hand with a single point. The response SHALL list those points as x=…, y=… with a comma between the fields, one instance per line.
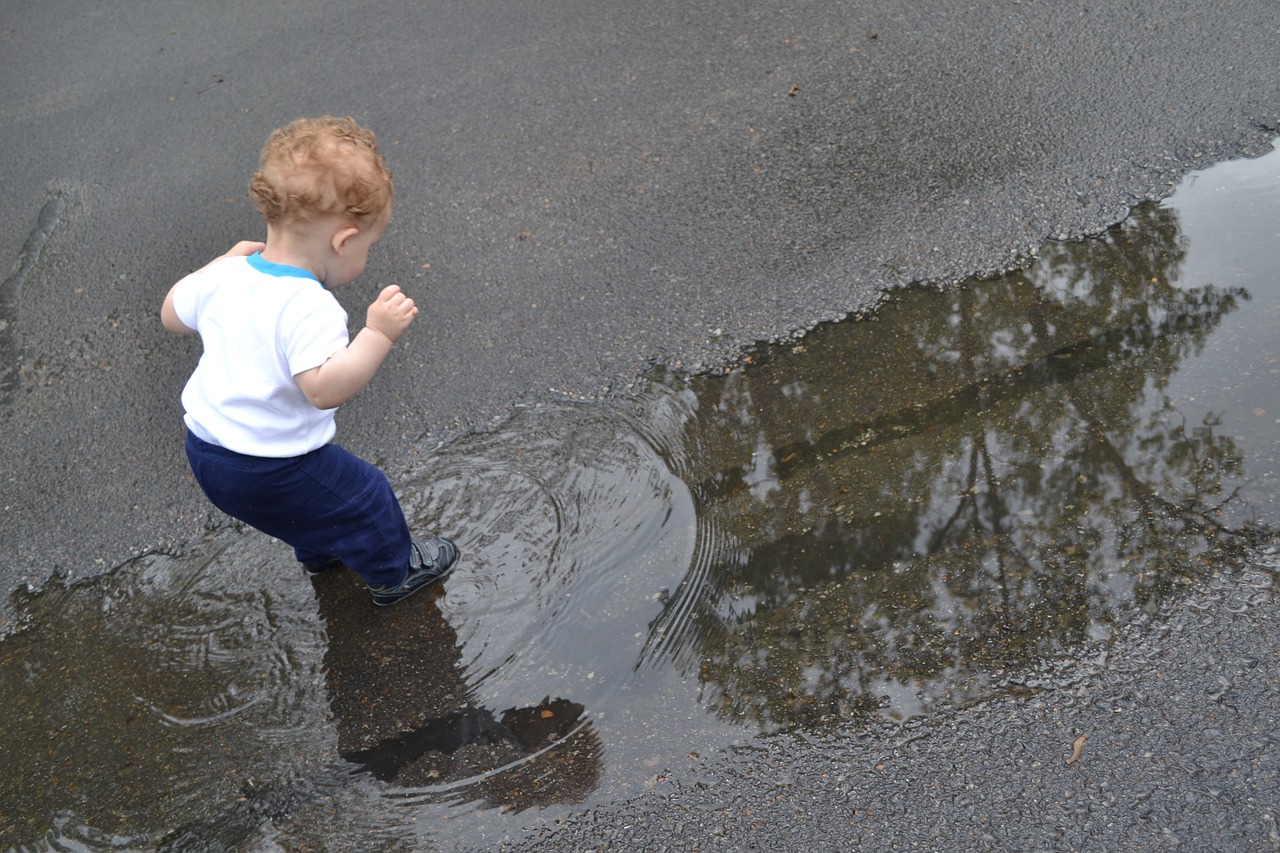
x=243, y=249
x=391, y=313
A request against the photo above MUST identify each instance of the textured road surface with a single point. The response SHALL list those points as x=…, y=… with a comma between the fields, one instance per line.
x=585, y=188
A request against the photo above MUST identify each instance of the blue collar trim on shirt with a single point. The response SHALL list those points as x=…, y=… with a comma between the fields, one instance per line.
x=262, y=265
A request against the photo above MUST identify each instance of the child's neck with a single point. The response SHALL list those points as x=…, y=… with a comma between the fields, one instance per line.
x=303, y=250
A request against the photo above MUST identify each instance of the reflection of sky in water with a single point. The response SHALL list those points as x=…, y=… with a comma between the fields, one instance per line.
x=890, y=517
x=759, y=474
x=1228, y=215
x=1230, y=219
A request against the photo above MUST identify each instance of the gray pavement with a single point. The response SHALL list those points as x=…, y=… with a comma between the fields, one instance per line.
x=583, y=189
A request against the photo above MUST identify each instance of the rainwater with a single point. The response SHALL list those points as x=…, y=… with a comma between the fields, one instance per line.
x=964, y=494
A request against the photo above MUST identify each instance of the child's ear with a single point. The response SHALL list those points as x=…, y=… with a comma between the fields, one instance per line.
x=343, y=236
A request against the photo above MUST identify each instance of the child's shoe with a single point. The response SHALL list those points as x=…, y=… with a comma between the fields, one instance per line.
x=429, y=561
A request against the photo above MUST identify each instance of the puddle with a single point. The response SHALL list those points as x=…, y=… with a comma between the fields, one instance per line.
x=964, y=495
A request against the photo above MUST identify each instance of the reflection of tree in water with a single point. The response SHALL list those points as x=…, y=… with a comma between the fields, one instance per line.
x=967, y=485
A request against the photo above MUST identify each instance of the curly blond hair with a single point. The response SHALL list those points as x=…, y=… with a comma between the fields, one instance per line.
x=317, y=167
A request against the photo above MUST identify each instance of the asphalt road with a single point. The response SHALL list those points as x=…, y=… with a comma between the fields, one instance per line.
x=583, y=189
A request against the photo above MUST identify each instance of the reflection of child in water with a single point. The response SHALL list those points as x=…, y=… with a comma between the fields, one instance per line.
x=403, y=711
x=278, y=361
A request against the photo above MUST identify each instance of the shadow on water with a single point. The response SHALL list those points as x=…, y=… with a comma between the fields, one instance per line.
x=962, y=495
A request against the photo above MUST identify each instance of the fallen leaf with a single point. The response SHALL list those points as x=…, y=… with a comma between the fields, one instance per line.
x=1076, y=749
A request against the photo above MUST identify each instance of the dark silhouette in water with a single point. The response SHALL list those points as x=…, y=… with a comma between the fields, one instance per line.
x=405, y=715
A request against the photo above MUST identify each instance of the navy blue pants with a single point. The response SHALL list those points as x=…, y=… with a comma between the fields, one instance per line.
x=327, y=503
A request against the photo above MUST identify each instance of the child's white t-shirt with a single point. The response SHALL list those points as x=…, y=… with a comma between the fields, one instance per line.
x=261, y=324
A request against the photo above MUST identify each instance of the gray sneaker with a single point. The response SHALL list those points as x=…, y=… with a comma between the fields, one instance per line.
x=429, y=561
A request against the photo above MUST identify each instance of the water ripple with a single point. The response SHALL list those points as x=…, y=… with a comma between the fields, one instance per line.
x=574, y=530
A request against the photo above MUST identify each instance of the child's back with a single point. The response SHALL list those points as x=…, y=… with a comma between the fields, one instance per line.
x=258, y=330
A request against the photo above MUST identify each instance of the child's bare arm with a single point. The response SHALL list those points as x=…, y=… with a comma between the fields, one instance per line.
x=347, y=371
x=169, y=317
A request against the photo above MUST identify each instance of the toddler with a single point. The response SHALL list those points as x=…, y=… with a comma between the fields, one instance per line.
x=278, y=361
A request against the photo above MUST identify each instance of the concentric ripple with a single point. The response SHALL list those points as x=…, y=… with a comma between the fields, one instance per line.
x=574, y=530
x=132, y=702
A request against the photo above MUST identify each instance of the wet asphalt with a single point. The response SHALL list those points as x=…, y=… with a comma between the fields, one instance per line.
x=586, y=189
